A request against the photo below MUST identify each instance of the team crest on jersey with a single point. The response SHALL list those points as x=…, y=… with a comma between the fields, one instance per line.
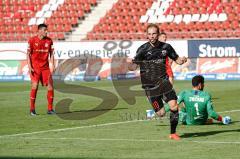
x=164, y=52
x=46, y=44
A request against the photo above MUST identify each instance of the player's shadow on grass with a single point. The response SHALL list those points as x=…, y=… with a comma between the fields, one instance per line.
x=180, y=124
x=208, y=133
x=91, y=110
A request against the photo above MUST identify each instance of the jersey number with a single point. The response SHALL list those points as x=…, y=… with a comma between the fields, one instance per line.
x=196, y=108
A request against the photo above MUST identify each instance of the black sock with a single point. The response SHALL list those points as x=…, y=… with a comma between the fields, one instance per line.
x=174, y=121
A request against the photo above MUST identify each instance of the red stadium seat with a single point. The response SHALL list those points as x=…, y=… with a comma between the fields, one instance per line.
x=15, y=15
x=127, y=11
x=124, y=18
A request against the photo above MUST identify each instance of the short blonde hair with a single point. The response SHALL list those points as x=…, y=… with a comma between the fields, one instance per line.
x=153, y=26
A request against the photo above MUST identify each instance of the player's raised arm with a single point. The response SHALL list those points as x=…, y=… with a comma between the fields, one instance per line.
x=181, y=60
x=174, y=56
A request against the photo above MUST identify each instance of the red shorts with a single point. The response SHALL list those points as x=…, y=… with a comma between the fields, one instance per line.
x=44, y=76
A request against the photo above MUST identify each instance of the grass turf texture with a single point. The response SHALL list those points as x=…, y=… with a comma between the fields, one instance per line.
x=133, y=139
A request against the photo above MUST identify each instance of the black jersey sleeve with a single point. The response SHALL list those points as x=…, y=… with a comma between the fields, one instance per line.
x=172, y=53
x=139, y=54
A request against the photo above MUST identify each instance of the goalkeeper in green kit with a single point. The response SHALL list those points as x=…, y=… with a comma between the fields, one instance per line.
x=197, y=105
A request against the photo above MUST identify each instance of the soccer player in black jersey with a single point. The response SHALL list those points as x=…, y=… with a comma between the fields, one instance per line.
x=151, y=57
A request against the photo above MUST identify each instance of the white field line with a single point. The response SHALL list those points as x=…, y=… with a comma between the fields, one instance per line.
x=131, y=140
x=71, y=128
x=230, y=111
x=89, y=126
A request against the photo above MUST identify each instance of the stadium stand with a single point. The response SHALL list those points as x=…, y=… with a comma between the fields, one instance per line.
x=180, y=19
x=127, y=19
x=19, y=18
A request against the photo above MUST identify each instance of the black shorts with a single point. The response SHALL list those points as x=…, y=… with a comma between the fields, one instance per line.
x=157, y=101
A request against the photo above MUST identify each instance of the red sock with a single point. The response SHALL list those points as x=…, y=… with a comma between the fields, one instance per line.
x=50, y=99
x=33, y=95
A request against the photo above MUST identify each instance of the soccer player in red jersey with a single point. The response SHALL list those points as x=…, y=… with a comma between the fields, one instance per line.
x=163, y=38
x=39, y=56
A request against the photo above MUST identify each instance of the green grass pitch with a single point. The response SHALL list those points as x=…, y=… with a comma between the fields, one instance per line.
x=118, y=134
